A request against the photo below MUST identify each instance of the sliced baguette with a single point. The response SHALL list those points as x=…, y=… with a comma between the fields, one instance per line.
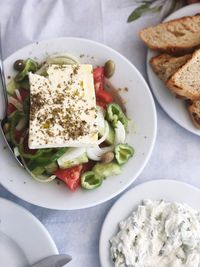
x=194, y=111
x=179, y=36
x=165, y=65
x=185, y=81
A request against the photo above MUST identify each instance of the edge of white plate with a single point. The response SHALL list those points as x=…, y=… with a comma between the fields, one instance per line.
x=36, y=221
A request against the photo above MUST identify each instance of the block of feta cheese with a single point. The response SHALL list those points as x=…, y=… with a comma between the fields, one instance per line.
x=63, y=108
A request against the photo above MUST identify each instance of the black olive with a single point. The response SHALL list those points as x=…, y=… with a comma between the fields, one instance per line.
x=19, y=65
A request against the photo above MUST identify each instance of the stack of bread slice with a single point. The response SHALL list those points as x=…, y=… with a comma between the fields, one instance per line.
x=178, y=65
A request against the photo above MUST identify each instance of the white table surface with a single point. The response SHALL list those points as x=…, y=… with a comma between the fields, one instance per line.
x=176, y=152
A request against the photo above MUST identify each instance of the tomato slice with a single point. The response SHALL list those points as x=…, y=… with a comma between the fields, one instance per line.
x=98, y=74
x=10, y=109
x=101, y=104
x=71, y=176
x=104, y=96
x=24, y=93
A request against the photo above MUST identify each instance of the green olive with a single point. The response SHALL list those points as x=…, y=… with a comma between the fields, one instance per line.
x=19, y=65
x=109, y=68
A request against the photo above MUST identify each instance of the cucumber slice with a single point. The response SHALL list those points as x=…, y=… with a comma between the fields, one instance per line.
x=69, y=159
x=38, y=175
x=38, y=170
x=106, y=169
x=51, y=168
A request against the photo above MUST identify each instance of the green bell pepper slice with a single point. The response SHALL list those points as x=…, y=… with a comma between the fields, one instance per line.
x=90, y=180
x=114, y=114
x=123, y=152
x=30, y=65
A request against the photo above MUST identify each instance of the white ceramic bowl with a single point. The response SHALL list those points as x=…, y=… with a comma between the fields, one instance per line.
x=168, y=190
x=140, y=109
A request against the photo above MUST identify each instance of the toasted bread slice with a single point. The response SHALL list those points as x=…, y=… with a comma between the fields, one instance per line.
x=194, y=111
x=186, y=80
x=165, y=65
x=179, y=36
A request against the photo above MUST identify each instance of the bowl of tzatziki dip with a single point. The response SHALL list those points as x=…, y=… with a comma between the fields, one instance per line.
x=160, y=234
x=154, y=224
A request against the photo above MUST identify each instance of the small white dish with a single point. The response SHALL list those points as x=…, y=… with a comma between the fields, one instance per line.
x=142, y=131
x=23, y=239
x=168, y=190
x=174, y=107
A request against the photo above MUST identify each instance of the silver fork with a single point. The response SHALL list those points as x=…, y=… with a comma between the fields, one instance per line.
x=4, y=120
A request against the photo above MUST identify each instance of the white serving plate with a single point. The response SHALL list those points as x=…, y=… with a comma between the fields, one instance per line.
x=23, y=239
x=168, y=190
x=140, y=109
x=174, y=107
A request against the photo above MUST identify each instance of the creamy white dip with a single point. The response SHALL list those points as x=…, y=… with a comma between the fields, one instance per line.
x=158, y=234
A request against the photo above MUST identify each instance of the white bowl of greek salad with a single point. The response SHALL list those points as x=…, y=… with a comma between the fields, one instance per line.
x=80, y=118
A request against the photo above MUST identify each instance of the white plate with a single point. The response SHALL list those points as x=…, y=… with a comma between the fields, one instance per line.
x=140, y=108
x=167, y=190
x=174, y=107
x=23, y=239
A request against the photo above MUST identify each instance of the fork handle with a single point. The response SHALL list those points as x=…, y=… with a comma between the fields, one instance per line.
x=2, y=73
